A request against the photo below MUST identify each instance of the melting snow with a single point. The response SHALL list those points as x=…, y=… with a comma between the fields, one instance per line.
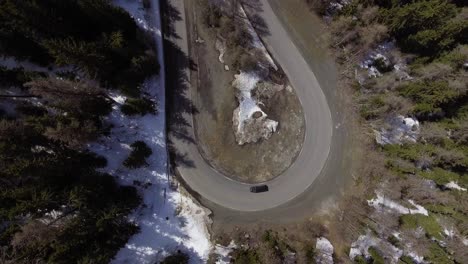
x=324, y=248
x=454, y=186
x=380, y=203
x=50, y=217
x=361, y=246
x=220, y=46
x=245, y=83
x=400, y=129
x=449, y=232
x=336, y=6
x=378, y=53
x=416, y=258
x=381, y=52
x=248, y=127
x=223, y=253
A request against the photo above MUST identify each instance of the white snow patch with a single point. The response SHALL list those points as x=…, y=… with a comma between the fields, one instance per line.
x=369, y=62
x=245, y=83
x=39, y=149
x=163, y=230
x=324, y=248
x=361, y=246
x=449, y=232
x=223, y=253
x=381, y=203
x=454, y=186
x=382, y=53
x=50, y=217
x=257, y=126
x=416, y=258
x=220, y=46
x=400, y=129
x=336, y=6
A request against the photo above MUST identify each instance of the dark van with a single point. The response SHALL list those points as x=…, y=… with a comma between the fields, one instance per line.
x=259, y=188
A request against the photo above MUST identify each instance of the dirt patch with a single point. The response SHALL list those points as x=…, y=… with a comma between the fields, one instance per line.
x=214, y=98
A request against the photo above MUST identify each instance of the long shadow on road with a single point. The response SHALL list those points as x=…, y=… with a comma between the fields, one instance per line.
x=178, y=99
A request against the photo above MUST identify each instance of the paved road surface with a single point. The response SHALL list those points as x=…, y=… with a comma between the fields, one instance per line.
x=234, y=195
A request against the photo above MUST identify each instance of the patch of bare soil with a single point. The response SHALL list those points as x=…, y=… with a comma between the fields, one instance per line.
x=214, y=100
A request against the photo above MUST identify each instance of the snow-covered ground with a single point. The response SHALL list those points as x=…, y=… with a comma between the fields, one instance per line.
x=454, y=186
x=392, y=254
x=361, y=246
x=223, y=253
x=248, y=126
x=379, y=53
x=398, y=130
x=324, y=251
x=169, y=220
x=383, y=53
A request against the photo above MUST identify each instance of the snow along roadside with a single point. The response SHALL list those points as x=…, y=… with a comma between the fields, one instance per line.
x=169, y=220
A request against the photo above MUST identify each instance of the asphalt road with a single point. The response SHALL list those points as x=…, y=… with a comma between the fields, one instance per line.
x=224, y=192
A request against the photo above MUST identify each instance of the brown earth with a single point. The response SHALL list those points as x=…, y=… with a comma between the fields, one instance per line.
x=215, y=102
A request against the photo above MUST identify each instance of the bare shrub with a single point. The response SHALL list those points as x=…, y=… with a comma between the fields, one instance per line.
x=434, y=71
x=213, y=15
x=73, y=133
x=460, y=135
x=246, y=62
x=451, y=158
x=320, y=6
x=417, y=190
x=32, y=235
x=343, y=30
x=397, y=104
x=226, y=26
x=459, y=84
x=386, y=82
x=372, y=35
x=369, y=14
x=433, y=133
